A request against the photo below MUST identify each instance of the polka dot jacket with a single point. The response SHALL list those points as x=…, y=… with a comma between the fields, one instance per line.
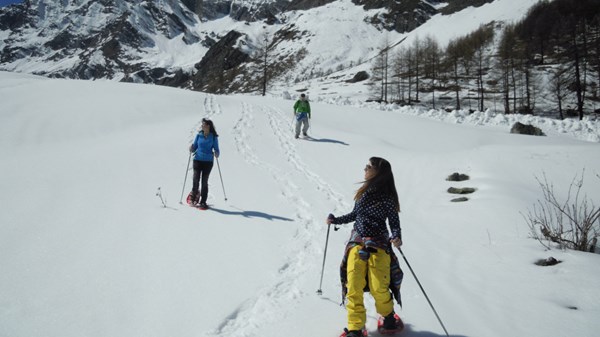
x=369, y=215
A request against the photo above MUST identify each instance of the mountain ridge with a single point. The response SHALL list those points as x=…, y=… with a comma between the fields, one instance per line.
x=169, y=42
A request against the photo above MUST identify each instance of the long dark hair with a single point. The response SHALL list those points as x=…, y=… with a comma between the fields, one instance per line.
x=211, y=125
x=382, y=182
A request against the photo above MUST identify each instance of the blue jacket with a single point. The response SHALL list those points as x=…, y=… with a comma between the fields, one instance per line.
x=204, y=146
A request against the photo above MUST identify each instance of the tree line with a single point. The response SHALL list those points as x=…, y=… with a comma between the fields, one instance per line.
x=555, y=49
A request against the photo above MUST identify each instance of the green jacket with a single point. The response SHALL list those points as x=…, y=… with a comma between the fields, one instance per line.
x=302, y=106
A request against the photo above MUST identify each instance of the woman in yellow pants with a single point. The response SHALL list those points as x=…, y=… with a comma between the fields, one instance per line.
x=369, y=259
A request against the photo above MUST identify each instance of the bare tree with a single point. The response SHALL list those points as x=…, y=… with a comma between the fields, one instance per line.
x=418, y=55
x=559, y=82
x=262, y=58
x=399, y=70
x=381, y=71
x=410, y=55
x=452, y=60
x=431, y=55
x=481, y=38
x=385, y=56
x=573, y=223
x=595, y=59
x=377, y=78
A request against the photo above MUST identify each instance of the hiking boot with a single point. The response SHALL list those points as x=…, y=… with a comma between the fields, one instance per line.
x=296, y=136
x=389, y=322
x=203, y=205
x=305, y=134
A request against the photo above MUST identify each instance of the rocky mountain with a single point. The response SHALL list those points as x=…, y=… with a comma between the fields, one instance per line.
x=88, y=39
x=217, y=46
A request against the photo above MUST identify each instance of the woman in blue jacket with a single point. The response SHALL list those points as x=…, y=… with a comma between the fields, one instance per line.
x=205, y=147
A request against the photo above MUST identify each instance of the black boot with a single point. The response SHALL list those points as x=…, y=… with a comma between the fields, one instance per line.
x=389, y=322
x=353, y=333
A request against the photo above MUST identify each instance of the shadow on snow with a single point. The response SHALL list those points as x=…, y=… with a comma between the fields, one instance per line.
x=408, y=332
x=325, y=140
x=251, y=214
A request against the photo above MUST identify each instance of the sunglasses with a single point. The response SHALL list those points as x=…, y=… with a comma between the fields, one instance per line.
x=368, y=167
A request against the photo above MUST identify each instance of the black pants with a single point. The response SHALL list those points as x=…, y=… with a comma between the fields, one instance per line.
x=201, y=169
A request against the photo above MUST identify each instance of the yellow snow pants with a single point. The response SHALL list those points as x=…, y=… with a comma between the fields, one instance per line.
x=377, y=270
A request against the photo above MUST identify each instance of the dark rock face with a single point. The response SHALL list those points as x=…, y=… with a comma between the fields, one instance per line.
x=402, y=16
x=307, y=4
x=13, y=17
x=219, y=64
x=455, y=6
x=96, y=38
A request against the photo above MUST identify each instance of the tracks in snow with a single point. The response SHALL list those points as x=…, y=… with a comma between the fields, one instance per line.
x=210, y=108
x=275, y=300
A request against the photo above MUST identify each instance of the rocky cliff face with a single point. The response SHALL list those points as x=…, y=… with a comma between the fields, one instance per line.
x=91, y=39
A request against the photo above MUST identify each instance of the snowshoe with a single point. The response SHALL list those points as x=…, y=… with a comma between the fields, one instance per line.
x=190, y=200
x=193, y=202
x=355, y=333
x=390, y=325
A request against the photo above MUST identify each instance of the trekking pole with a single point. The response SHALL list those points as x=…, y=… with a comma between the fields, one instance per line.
x=294, y=123
x=423, y=290
x=320, y=292
x=223, y=186
x=185, y=179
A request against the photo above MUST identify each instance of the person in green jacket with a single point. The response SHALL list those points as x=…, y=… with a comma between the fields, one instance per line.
x=302, y=114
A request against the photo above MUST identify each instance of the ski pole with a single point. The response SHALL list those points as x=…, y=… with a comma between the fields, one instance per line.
x=223, y=186
x=185, y=179
x=294, y=123
x=423, y=290
x=320, y=292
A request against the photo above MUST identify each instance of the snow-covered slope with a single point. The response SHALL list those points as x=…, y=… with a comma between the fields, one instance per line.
x=87, y=248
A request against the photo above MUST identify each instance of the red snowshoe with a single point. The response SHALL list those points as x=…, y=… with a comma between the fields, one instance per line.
x=190, y=201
